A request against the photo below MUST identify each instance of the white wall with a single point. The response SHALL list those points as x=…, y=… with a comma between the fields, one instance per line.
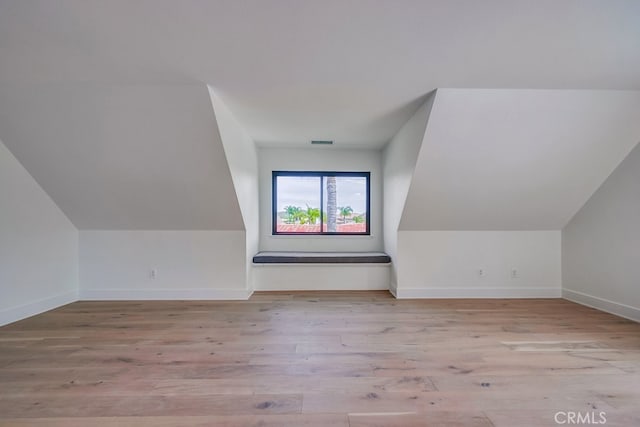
x=189, y=264
x=38, y=246
x=503, y=159
x=320, y=159
x=314, y=277
x=445, y=264
x=601, y=245
x=398, y=163
x=242, y=157
x=124, y=157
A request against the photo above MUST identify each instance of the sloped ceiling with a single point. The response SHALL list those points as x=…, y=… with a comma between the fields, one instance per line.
x=348, y=70
x=106, y=104
x=517, y=159
x=124, y=157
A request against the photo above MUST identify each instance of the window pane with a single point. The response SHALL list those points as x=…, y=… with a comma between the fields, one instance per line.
x=349, y=207
x=298, y=204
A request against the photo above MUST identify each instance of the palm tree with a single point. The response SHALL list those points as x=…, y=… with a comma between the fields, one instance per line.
x=313, y=214
x=302, y=217
x=331, y=204
x=292, y=213
x=345, y=211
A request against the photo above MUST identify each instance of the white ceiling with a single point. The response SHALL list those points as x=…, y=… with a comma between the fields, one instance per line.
x=118, y=157
x=349, y=70
x=105, y=102
x=517, y=159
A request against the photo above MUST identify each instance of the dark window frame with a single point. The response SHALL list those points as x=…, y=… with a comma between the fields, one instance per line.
x=321, y=175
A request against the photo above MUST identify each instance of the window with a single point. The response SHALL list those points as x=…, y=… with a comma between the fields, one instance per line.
x=334, y=203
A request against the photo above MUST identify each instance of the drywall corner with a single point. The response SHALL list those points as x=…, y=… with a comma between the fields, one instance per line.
x=398, y=163
x=600, y=256
x=38, y=246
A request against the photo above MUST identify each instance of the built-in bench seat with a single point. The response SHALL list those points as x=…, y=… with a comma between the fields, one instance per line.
x=307, y=271
x=321, y=258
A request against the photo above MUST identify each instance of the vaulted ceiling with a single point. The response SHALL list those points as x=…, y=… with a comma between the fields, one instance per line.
x=494, y=159
x=116, y=157
x=106, y=102
x=348, y=70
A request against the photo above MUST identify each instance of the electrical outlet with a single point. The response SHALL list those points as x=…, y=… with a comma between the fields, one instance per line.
x=481, y=272
x=153, y=274
x=514, y=274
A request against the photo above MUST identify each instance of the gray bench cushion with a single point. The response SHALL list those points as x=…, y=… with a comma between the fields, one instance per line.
x=321, y=258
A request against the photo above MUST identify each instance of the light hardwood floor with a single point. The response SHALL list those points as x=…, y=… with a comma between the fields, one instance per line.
x=319, y=359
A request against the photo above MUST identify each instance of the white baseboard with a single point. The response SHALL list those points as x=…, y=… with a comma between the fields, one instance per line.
x=537, y=292
x=163, y=294
x=622, y=310
x=13, y=314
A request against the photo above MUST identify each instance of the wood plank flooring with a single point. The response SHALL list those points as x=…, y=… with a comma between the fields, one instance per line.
x=319, y=359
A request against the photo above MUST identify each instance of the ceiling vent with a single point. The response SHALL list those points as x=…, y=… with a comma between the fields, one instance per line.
x=321, y=142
